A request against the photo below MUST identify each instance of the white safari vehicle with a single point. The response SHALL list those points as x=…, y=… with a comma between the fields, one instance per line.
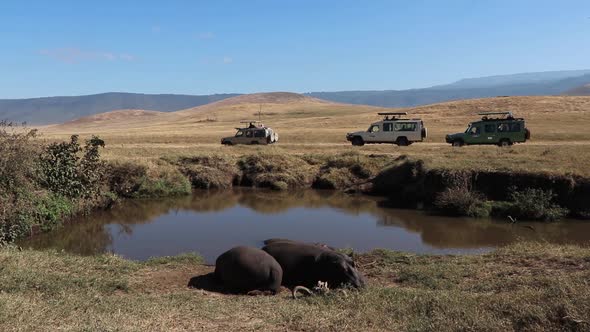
x=254, y=133
x=392, y=129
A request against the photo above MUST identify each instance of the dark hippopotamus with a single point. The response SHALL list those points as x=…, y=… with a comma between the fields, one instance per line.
x=305, y=264
x=247, y=269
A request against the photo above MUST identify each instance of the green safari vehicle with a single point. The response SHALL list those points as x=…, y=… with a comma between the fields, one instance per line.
x=498, y=128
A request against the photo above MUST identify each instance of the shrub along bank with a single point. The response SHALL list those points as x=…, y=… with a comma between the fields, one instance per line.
x=41, y=186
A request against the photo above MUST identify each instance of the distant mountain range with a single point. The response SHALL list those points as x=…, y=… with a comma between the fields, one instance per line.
x=60, y=109
x=528, y=84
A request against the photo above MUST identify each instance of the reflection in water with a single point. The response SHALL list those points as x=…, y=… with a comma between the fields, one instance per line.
x=212, y=222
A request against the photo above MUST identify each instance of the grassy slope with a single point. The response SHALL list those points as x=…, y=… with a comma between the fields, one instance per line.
x=534, y=287
x=558, y=124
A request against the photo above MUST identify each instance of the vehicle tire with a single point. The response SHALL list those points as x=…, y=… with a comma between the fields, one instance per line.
x=254, y=143
x=505, y=142
x=402, y=141
x=358, y=141
x=457, y=143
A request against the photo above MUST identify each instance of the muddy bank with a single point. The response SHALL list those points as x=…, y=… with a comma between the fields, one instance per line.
x=408, y=183
x=411, y=183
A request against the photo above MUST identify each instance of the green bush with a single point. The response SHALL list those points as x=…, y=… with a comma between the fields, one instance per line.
x=17, y=158
x=15, y=219
x=64, y=172
x=536, y=204
x=461, y=201
x=163, y=182
x=51, y=210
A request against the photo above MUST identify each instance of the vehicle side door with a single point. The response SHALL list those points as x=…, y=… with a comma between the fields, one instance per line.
x=490, y=135
x=248, y=136
x=240, y=137
x=388, y=134
x=475, y=134
x=374, y=133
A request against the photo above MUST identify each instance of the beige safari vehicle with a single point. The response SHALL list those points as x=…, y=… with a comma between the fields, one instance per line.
x=254, y=133
x=393, y=129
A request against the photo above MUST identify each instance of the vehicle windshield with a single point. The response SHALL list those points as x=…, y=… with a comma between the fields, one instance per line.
x=468, y=129
x=373, y=128
x=240, y=133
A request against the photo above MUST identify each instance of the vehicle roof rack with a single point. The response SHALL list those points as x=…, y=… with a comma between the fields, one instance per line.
x=486, y=115
x=394, y=115
x=495, y=113
x=250, y=121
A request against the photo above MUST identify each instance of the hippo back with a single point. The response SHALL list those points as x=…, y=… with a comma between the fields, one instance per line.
x=244, y=269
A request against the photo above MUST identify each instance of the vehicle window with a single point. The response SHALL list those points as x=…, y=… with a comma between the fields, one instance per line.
x=374, y=129
x=239, y=133
x=249, y=133
x=259, y=133
x=490, y=128
x=405, y=126
x=388, y=127
x=474, y=131
x=515, y=127
x=503, y=128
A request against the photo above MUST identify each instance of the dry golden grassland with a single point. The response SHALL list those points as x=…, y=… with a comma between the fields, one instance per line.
x=560, y=135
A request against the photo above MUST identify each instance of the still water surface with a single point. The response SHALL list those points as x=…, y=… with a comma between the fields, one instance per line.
x=211, y=222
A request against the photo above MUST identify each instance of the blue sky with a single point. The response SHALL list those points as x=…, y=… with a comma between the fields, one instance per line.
x=202, y=47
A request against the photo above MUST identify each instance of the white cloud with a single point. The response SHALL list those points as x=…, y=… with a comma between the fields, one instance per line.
x=127, y=57
x=76, y=55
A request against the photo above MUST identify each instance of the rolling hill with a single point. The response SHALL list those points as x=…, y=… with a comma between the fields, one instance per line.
x=302, y=119
x=60, y=109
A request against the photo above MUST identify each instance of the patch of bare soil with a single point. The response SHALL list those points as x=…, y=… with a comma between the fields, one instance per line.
x=167, y=279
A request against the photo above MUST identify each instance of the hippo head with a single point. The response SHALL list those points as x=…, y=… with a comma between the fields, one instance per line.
x=339, y=271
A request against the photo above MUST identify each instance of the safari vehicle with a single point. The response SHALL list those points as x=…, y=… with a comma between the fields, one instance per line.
x=254, y=133
x=499, y=128
x=392, y=129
